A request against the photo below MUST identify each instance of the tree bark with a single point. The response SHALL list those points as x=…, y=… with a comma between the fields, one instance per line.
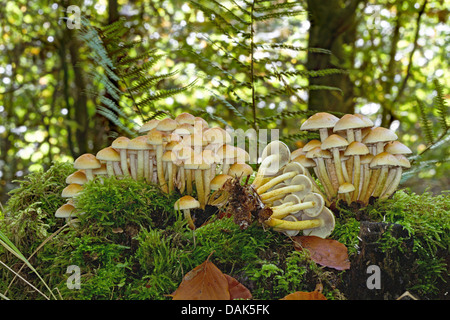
x=332, y=25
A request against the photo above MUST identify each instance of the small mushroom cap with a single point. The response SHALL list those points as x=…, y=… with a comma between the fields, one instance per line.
x=297, y=152
x=120, y=143
x=319, y=120
x=366, y=159
x=349, y=121
x=184, y=129
x=312, y=144
x=334, y=141
x=346, y=187
x=167, y=124
x=383, y=159
x=327, y=227
x=283, y=156
x=101, y=171
x=71, y=190
x=65, y=211
x=292, y=198
x=356, y=148
x=241, y=156
x=218, y=181
x=185, y=118
x=318, y=153
x=149, y=125
x=155, y=137
x=368, y=123
x=240, y=170
x=139, y=143
x=304, y=161
x=396, y=147
x=78, y=177
x=217, y=135
x=168, y=156
x=209, y=156
x=108, y=154
x=379, y=134
x=87, y=161
x=202, y=122
x=186, y=202
x=318, y=207
x=403, y=161
x=303, y=180
x=294, y=167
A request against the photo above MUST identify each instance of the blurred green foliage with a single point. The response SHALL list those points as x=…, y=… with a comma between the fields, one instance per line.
x=392, y=52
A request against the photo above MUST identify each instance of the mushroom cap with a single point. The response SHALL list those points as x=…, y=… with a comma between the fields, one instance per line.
x=240, y=170
x=334, y=141
x=402, y=161
x=297, y=152
x=314, y=143
x=349, y=121
x=318, y=153
x=78, y=177
x=319, y=203
x=241, y=156
x=303, y=180
x=383, y=159
x=396, y=147
x=65, y=211
x=120, y=143
x=217, y=135
x=209, y=156
x=294, y=167
x=327, y=227
x=149, y=125
x=139, y=143
x=356, y=148
x=368, y=123
x=304, y=161
x=283, y=156
x=319, y=120
x=155, y=137
x=366, y=159
x=167, y=124
x=218, y=181
x=379, y=134
x=185, y=118
x=186, y=202
x=184, y=129
x=202, y=122
x=182, y=152
x=108, y=154
x=168, y=156
x=292, y=198
x=101, y=171
x=71, y=190
x=87, y=161
x=346, y=187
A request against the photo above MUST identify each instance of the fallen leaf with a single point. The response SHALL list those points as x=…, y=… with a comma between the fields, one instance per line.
x=204, y=282
x=326, y=252
x=237, y=290
x=300, y=295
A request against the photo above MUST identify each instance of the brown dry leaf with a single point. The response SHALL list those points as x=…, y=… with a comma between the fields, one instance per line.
x=204, y=282
x=326, y=252
x=237, y=290
x=300, y=295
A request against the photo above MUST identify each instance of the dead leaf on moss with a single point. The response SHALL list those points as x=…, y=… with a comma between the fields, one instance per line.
x=207, y=282
x=237, y=290
x=326, y=252
x=300, y=295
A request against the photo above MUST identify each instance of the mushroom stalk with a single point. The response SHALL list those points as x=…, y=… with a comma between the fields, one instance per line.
x=133, y=167
x=337, y=165
x=393, y=186
x=110, y=168
x=356, y=177
x=367, y=173
x=282, y=212
x=381, y=181
x=159, y=168
x=140, y=165
x=273, y=182
x=124, y=162
x=372, y=184
x=293, y=225
x=200, y=187
x=281, y=191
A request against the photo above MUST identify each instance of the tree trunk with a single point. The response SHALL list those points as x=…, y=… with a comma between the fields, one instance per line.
x=331, y=27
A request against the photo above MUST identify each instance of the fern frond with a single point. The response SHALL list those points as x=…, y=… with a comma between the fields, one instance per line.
x=146, y=82
x=425, y=123
x=440, y=104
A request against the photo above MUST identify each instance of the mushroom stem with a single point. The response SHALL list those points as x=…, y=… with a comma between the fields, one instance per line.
x=330, y=168
x=282, y=212
x=133, y=168
x=140, y=165
x=124, y=162
x=381, y=181
x=147, y=165
x=200, y=187
x=367, y=173
x=393, y=186
x=117, y=169
x=324, y=177
x=207, y=182
x=357, y=176
x=281, y=191
x=89, y=174
x=188, y=174
x=337, y=165
x=372, y=183
x=110, y=168
x=266, y=163
x=293, y=225
x=159, y=168
x=273, y=182
x=390, y=178
x=170, y=172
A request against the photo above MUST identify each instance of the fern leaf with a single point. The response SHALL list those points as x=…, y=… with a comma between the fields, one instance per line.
x=440, y=105
x=425, y=123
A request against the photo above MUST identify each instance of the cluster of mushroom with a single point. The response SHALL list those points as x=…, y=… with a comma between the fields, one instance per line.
x=182, y=153
x=353, y=160
x=288, y=189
